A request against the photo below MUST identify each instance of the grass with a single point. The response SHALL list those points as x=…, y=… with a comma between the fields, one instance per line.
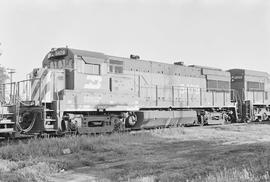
x=52, y=147
x=34, y=160
x=30, y=170
x=179, y=154
x=238, y=175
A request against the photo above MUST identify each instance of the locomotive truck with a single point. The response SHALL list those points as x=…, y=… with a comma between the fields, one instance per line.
x=91, y=92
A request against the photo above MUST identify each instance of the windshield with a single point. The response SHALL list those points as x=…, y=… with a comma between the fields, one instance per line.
x=61, y=64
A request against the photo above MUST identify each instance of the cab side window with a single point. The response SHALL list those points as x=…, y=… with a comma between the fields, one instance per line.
x=118, y=69
x=92, y=69
x=116, y=66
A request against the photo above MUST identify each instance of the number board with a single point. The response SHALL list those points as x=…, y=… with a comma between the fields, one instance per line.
x=57, y=53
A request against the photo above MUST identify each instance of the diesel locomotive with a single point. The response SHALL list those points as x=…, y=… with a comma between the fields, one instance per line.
x=91, y=92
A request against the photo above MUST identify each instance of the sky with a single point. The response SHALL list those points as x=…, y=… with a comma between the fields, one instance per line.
x=217, y=33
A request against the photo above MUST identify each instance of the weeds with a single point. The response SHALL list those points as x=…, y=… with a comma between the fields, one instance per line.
x=237, y=175
x=33, y=160
x=51, y=147
x=158, y=155
x=26, y=170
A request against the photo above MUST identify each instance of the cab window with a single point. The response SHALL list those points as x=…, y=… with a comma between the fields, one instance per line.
x=60, y=64
x=69, y=64
x=116, y=66
x=92, y=69
x=118, y=69
x=51, y=65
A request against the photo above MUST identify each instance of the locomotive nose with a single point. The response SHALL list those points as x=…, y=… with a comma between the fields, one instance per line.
x=46, y=83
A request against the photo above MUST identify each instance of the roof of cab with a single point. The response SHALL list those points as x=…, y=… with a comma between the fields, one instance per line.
x=84, y=53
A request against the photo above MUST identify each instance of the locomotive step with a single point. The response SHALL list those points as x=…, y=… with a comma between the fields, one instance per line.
x=7, y=122
x=49, y=127
x=49, y=119
x=6, y=113
x=7, y=130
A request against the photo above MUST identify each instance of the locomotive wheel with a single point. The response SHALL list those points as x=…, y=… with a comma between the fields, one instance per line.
x=116, y=124
x=202, y=123
x=265, y=117
x=131, y=120
x=204, y=120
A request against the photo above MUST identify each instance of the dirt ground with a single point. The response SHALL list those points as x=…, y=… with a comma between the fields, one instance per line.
x=176, y=154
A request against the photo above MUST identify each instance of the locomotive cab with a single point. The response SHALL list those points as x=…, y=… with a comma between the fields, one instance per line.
x=40, y=94
x=92, y=82
x=82, y=69
x=60, y=59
